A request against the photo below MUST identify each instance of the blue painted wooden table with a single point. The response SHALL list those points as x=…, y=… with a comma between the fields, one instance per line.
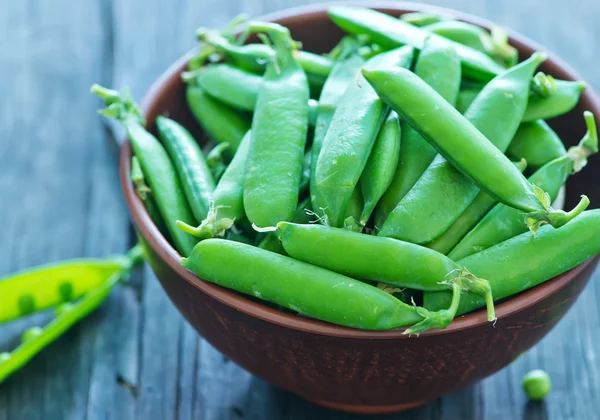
x=60, y=198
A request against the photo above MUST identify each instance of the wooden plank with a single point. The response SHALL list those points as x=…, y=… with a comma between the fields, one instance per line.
x=64, y=203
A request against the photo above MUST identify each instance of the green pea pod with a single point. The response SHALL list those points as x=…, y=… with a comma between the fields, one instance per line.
x=46, y=286
x=309, y=290
x=385, y=260
x=443, y=193
x=465, y=146
x=343, y=73
x=156, y=165
x=467, y=220
x=495, y=44
x=554, y=98
x=235, y=87
x=466, y=98
x=279, y=131
x=143, y=191
x=422, y=18
x=439, y=66
x=231, y=85
x=94, y=282
x=504, y=222
x=227, y=199
x=537, y=143
x=381, y=166
x=222, y=123
x=523, y=262
x=349, y=140
x=562, y=99
x=195, y=176
x=389, y=32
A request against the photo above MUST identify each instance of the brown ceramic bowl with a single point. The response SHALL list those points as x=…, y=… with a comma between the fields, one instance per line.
x=342, y=368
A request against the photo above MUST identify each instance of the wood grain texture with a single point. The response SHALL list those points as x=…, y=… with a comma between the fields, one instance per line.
x=59, y=198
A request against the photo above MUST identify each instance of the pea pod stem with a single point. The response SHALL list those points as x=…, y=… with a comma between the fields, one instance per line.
x=36, y=339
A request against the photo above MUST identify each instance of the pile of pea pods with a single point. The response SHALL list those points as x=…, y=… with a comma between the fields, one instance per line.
x=402, y=179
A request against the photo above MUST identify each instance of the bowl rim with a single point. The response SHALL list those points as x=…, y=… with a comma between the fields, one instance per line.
x=254, y=309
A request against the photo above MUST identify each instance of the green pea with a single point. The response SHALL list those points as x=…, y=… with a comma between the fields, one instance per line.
x=65, y=290
x=537, y=384
x=438, y=65
x=31, y=334
x=26, y=305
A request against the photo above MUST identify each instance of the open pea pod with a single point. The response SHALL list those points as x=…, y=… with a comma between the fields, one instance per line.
x=50, y=285
x=57, y=285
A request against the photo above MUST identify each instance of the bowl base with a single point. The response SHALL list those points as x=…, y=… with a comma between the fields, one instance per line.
x=370, y=409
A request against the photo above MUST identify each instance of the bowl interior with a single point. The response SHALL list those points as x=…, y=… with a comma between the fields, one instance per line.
x=312, y=27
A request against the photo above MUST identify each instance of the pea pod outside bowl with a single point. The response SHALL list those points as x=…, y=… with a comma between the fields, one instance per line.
x=348, y=369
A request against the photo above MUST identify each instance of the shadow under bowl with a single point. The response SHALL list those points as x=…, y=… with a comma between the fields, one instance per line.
x=342, y=368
